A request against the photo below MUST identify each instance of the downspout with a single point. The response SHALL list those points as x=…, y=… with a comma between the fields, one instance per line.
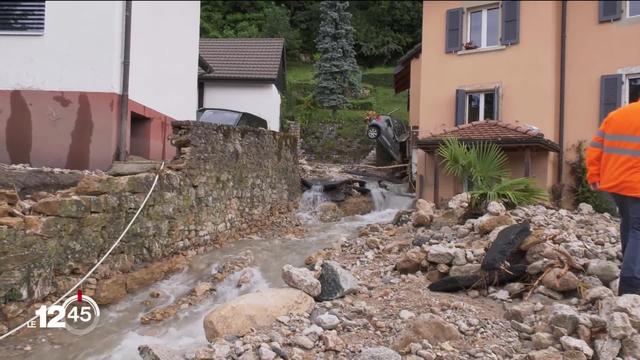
x=124, y=94
x=563, y=51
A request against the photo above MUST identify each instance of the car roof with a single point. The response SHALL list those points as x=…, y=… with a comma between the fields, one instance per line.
x=235, y=111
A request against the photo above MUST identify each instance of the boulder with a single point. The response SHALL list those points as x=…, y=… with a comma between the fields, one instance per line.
x=327, y=321
x=426, y=206
x=378, y=353
x=560, y=280
x=332, y=342
x=301, y=279
x=607, y=348
x=9, y=196
x=564, y=316
x=335, y=281
x=570, y=343
x=356, y=205
x=604, y=270
x=410, y=262
x=157, y=352
x=542, y=340
x=460, y=201
x=585, y=209
x=598, y=293
x=420, y=219
x=487, y=223
x=441, y=254
x=619, y=326
x=464, y=270
x=630, y=305
x=255, y=310
x=429, y=327
x=496, y=209
x=329, y=212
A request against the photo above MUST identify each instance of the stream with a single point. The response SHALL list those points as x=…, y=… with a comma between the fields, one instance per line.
x=120, y=333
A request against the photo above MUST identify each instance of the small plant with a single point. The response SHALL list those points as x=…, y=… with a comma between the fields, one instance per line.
x=485, y=166
x=469, y=45
x=581, y=191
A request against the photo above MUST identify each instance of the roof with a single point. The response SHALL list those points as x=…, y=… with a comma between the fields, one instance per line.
x=507, y=135
x=242, y=59
x=402, y=72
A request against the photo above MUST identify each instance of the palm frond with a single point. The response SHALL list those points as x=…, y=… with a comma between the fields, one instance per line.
x=489, y=164
x=455, y=156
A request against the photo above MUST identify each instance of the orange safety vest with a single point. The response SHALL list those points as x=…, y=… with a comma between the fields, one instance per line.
x=613, y=158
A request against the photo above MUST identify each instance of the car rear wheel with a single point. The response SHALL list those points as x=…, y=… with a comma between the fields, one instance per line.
x=373, y=132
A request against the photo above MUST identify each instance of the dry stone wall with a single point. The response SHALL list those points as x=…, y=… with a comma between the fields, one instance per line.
x=224, y=181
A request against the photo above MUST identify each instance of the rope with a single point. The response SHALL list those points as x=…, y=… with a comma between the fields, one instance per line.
x=155, y=181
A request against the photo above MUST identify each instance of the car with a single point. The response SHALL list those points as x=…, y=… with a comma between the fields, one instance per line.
x=230, y=117
x=390, y=132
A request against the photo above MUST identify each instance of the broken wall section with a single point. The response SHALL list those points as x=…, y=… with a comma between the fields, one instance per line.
x=224, y=182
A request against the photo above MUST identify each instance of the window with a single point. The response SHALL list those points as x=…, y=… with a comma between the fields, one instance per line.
x=632, y=91
x=633, y=8
x=483, y=27
x=22, y=17
x=480, y=106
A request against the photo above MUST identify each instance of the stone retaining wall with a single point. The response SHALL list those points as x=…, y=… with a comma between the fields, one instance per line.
x=224, y=181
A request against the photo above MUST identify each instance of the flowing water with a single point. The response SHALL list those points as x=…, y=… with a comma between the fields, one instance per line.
x=120, y=333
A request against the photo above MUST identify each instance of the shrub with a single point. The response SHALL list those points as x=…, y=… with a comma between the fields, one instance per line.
x=378, y=79
x=367, y=104
x=485, y=166
x=581, y=191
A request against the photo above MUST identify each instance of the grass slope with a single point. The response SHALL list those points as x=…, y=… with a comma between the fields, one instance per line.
x=342, y=140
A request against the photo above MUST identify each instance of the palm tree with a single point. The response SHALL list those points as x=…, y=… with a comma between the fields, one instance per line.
x=485, y=165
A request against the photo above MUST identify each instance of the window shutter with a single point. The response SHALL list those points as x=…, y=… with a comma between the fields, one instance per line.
x=453, y=38
x=461, y=98
x=22, y=16
x=609, y=10
x=496, y=103
x=510, y=22
x=610, y=94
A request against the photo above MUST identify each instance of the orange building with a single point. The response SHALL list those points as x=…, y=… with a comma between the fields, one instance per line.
x=547, y=71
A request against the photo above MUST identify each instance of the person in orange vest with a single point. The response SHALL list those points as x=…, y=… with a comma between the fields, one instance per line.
x=613, y=165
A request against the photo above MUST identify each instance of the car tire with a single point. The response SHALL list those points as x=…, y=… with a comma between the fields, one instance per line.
x=373, y=132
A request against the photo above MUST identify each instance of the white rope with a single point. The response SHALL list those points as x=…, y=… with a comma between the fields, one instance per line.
x=155, y=181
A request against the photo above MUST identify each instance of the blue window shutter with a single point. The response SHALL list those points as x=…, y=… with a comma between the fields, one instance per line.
x=496, y=103
x=510, y=22
x=610, y=94
x=609, y=10
x=453, y=36
x=461, y=98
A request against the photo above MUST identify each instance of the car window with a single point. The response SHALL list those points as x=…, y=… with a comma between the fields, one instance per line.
x=222, y=117
x=253, y=121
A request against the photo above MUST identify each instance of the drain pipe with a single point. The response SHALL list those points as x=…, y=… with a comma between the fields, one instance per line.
x=563, y=51
x=124, y=94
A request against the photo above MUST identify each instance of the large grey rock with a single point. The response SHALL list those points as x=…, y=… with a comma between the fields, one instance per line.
x=564, y=316
x=631, y=347
x=463, y=270
x=255, y=310
x=571, y=343
x=301, y=279
x=157, y=352
x=441, y=254
x=378, y=353
x=598, y=293
x=120, y=168
x=335, y=281
x=607, y=349
x=495, y=208
x=327, y=321
x=619, y=326
x=630, y=305
x=604, y=270
x=428, y=327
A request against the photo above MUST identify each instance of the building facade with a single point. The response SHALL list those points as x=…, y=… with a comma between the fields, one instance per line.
x=552, y=67
x=62, y=80
x=245, y=75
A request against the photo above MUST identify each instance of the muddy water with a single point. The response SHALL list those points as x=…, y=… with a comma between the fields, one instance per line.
x=120, y=333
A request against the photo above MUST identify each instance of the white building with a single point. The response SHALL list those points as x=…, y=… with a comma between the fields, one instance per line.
x=63, y=79
x=243, y=75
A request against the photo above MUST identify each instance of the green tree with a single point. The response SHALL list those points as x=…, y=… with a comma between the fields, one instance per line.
x=337, y=73
x=485, y=166
x=277, y=25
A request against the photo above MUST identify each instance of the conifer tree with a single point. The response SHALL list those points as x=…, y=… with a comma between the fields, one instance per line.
x=337, y=73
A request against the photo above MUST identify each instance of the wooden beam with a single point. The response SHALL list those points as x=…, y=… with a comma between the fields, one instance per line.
x=527, y=162
x=436, y=179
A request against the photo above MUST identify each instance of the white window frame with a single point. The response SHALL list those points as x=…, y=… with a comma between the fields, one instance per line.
x=482, y=93
x=628, y=10
x=625, y=86
x=483, y=27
